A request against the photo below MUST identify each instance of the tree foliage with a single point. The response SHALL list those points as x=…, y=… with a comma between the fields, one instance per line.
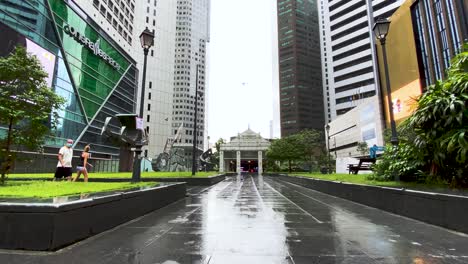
x=362, y=148
x=28, y=108
x=307, y=146
x=215, y=158
x=438, y=131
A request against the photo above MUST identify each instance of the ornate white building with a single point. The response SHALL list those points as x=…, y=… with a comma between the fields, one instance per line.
x=245, y=152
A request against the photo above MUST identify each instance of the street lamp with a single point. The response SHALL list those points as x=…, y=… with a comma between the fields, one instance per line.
x=328, y=147
x=147, y=41
x=380, y=29
x=194, y=146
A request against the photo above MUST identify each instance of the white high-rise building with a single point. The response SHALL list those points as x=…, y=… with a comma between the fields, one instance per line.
x=160, y=17
x=181, y=31
x=192, y=37
x=348, y=53
x=124, y=22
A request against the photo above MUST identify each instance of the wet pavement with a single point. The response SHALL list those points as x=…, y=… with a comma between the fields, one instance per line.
x=262, y=220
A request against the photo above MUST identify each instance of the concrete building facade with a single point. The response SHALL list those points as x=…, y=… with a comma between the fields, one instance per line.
x=348, y=51
x=191, y=43
x=301, y=94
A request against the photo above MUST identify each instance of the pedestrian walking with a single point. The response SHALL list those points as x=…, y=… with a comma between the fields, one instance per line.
x=82, y=165
x=64, y=165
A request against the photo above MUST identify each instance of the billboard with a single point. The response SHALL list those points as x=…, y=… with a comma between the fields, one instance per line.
x=367, y=118
x=11, y=39
x=404, y=99
x=46, y=58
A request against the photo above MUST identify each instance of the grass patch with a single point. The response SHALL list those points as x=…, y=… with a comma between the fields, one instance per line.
x=122, y=175
x=362, y=179
x=47, y=189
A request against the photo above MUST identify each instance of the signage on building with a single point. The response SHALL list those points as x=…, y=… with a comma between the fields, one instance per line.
x=93, y=46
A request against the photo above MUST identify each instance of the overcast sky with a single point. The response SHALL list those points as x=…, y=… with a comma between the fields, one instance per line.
x=242, y=71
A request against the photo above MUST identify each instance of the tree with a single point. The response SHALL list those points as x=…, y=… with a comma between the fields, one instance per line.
x=363, y=148
x=312, y=146
x=215, y=159
x=285, y=149
x=440, y=123
x=28, y=108
x=434, y=139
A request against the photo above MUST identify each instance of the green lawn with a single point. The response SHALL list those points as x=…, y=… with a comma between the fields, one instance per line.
x=45, y=189
x=122, y=175
x=362, y=179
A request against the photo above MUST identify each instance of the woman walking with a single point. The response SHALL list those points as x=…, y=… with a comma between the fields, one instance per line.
x=81, y=168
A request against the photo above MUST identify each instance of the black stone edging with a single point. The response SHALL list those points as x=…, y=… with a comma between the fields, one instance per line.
x=53, y=226
x=206, y=181
x=445, y=210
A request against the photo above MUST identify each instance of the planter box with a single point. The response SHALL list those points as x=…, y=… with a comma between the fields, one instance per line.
x=206, y=181
x=449, y=211
x=48, y=226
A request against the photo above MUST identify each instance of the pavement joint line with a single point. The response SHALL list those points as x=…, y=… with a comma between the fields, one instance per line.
x=220, y=191
x=318, y=221
x=263, y=207
x=369, y=207
x=167, y=231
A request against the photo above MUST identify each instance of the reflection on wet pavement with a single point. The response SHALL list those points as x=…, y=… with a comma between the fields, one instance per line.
x=262, y=220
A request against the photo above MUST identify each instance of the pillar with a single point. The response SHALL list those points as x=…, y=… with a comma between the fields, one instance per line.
x=221, y=161
x=238, y=162
x=260, y=162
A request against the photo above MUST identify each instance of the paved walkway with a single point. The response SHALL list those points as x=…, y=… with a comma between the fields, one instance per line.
x=262, y=220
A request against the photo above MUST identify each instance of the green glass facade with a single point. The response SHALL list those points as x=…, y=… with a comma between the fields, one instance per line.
x=97, y=78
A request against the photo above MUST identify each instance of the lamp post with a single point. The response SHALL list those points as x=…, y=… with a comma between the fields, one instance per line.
x=380, y=29
x=328, y=147
x=147, y=41
x=194, y=146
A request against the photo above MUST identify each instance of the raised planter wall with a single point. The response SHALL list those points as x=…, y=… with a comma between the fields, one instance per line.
x=449, y=211
x=52, y=226
x=206, y=181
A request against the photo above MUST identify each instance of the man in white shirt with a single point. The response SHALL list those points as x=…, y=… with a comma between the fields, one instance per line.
x=64, y=165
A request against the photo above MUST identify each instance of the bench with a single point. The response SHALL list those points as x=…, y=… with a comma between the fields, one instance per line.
x=364, y=164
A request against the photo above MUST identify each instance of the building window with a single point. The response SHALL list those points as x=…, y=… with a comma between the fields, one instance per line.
x=147, y=118
x=150, y=85
x=149, y=107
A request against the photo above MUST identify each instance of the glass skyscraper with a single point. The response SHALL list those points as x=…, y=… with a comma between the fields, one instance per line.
x=85, y=66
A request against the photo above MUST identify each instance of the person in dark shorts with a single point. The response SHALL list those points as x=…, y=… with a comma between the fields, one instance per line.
x=64, y=165
x=82, y=166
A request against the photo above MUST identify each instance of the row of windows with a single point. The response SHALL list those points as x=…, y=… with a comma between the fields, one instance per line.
x=354, y=74
x=355, y=97
x=348, y=9
x=116, y=18
x=350, y=41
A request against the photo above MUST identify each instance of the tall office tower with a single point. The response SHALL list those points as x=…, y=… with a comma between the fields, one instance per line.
x=300, y=74
x=348, y=53
x=160, y=17
x=125, y=21
x=192, y=36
